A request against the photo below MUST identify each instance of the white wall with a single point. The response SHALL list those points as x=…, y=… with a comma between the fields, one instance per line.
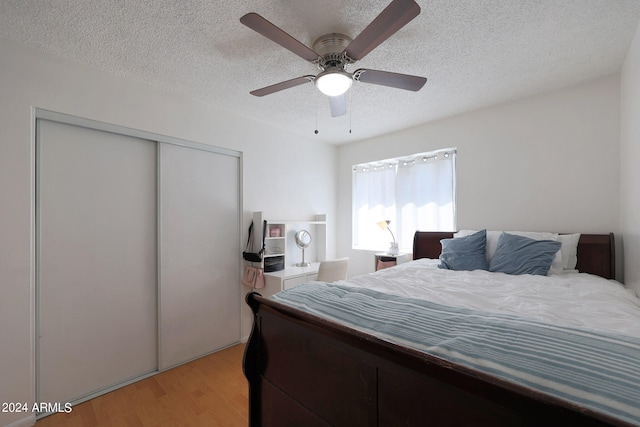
x=30, y=78
x=546, y=163
x=629, y=159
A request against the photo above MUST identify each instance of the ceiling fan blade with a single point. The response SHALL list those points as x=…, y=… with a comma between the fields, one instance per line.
x=395, y=16
x=338, y=105
x=274, y=33
x=282, y=86
x=386, y=78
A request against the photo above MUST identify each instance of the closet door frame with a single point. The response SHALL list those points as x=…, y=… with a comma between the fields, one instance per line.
x=38, y=114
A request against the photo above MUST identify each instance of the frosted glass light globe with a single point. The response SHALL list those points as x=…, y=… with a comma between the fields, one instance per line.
x=333, y=82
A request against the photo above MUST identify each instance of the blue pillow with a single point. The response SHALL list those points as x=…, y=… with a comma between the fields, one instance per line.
x=522, y=255
x=465, y=253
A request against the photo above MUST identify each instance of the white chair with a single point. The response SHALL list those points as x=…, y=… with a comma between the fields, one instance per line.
x=331, y=271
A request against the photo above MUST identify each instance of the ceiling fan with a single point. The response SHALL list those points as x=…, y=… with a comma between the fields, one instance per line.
x=333, y=52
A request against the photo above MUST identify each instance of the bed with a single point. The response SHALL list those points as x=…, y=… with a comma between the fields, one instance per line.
x=310, y=363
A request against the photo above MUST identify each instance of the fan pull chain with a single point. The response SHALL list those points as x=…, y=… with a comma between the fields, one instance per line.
x=317, y=107
x=350, y=108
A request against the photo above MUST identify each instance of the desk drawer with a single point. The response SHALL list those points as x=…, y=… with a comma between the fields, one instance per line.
x=298, y=280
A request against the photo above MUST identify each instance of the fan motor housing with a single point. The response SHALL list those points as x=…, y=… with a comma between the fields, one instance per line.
x=331, y=43
x=331, y=48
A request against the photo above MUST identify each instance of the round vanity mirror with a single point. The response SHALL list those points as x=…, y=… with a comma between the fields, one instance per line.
x=303, y=240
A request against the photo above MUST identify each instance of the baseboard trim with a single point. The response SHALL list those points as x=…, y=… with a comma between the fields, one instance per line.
x=23, y=422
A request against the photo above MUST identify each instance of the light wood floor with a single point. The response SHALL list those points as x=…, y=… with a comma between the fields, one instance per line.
x=211, y=391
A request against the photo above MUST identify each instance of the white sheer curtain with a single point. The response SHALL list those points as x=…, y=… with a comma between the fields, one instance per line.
x=373, y=201
x=416, y=193
x=424, y=197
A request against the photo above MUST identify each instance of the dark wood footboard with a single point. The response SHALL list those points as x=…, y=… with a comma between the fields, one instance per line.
x=306, y=371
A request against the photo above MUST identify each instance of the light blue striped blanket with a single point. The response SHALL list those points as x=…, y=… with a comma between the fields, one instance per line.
x=593, y=369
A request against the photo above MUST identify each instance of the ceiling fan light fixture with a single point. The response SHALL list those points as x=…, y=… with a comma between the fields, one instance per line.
x=333, y=82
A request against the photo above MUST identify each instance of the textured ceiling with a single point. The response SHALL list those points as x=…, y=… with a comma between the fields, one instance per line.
x=474, y=53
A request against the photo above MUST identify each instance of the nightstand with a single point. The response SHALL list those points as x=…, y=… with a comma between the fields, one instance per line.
x=384, y=260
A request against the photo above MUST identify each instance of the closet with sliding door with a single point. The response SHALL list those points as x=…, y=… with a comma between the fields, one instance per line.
x=137, y=243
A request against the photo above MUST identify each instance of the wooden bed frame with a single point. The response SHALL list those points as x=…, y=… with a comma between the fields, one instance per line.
x=307, y=371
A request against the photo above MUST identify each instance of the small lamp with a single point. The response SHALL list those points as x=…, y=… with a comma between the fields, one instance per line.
x=393, y=249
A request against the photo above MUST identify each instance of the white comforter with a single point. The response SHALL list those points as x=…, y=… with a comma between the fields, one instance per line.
x=572, y=299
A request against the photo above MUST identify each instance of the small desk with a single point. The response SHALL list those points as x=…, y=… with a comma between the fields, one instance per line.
x=384, y=260
x=291, y=276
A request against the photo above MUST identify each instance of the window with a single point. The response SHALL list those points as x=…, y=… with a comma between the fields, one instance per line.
x=414, y=193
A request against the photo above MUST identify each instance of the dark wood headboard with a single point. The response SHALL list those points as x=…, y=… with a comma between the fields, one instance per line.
x=596, y=252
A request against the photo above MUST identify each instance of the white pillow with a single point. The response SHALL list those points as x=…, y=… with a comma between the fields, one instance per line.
x=569, y=250
x=492, y=244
